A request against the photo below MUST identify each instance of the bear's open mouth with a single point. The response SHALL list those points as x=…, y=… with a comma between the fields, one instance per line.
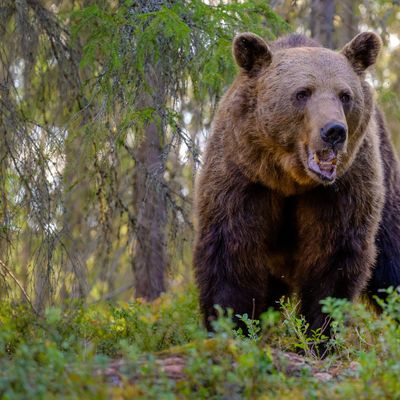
x=323, y=163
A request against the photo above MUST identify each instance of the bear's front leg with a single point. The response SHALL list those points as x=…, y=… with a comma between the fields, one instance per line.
x=230, y=250
x=228, y=295
x=230, y=270
x=335, y=257
x=344, y=276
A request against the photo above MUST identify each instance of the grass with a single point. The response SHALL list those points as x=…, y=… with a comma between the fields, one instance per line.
x=117, y=351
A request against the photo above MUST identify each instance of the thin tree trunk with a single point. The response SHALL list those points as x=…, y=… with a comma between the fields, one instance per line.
x=321, y=24
x=74, y=224
x=4, y=165
x=149, y=261
x=347, y=10
x=150, y=258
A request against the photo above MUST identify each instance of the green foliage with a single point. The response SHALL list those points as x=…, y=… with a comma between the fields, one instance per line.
x=188, y=41
x=59, y=354
x=252, y=326
x=69, y=353
x=296, y=327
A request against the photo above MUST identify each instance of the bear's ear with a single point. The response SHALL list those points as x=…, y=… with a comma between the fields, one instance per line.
x=362, y=51
x=251, y=52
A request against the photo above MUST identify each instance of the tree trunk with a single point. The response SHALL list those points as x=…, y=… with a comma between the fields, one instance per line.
x=347, y=10
x=74, y=284
x=321, y=24
x=4, y=224
x=150, y=259
x=149, y=251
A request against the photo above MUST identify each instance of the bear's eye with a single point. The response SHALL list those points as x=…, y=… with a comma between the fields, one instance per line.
x=303, y=94
x=345, y=98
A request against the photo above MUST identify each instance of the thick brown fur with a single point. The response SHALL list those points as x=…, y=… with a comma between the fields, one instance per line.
x=267, y=225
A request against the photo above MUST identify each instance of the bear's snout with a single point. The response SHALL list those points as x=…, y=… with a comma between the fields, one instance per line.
x=334, y=133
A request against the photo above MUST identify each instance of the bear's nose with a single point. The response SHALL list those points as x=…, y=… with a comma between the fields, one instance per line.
x=334, y=133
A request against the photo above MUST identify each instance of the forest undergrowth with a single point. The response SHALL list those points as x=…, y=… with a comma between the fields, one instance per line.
x=160, y=350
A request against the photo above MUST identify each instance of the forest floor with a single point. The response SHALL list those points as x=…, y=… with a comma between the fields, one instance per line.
x=160, y=350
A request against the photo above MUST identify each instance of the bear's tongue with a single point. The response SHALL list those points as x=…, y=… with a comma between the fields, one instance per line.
x=323, y=163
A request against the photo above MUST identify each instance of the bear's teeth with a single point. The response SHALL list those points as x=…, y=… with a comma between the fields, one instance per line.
x=316, y=159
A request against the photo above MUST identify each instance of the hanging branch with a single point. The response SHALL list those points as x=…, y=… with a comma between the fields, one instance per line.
x=17, y=282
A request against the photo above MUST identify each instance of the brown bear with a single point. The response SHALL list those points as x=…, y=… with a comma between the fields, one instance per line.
x=300, y=187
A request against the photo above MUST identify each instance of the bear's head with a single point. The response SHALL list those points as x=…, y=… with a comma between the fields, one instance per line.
x=301, y=113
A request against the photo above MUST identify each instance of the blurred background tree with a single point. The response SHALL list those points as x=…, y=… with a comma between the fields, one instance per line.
x=104, y=110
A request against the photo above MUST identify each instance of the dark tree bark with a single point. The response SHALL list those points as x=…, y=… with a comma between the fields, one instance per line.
x=149, y=261
x=321, y=23
x=150, y=258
